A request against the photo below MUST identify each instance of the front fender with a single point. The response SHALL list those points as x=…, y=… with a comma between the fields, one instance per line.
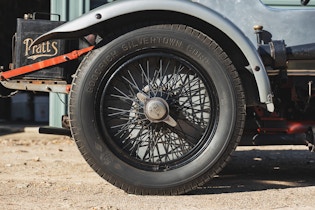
x=77, y=28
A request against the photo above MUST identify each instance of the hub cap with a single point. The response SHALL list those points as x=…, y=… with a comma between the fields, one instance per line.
x=156, y=109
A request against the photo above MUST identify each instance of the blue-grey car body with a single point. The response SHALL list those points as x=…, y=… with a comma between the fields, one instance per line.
x=234, y=18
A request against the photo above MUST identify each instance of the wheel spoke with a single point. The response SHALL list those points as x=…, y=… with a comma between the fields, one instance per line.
x=158, y=143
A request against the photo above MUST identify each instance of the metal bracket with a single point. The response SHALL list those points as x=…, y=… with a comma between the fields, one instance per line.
x=38, y=85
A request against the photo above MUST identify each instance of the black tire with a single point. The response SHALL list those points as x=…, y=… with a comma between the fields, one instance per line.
x=113, y=128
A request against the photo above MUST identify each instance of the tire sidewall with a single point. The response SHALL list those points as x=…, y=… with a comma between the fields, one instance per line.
x=83, y=116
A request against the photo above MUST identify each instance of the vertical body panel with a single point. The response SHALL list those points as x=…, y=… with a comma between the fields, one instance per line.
x=295, y=25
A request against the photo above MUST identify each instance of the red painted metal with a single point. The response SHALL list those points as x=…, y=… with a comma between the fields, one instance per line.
x=44, y=64
x=281, y=125
x=295, y=127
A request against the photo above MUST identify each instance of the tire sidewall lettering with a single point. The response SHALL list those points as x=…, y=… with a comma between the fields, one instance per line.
x=98, y=70
x=143, y=42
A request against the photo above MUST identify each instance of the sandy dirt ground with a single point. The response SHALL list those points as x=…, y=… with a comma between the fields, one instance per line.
x=47, y=172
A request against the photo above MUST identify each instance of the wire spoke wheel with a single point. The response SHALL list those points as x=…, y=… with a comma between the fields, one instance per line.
x=146, y=141
x=157, y=110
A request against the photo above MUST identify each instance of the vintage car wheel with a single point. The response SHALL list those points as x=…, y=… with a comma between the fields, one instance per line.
x=157, y=110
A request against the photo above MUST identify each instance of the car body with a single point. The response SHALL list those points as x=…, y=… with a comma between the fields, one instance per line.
x=168, y=88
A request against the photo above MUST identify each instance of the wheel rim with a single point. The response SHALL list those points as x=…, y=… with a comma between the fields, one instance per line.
x=179, y=89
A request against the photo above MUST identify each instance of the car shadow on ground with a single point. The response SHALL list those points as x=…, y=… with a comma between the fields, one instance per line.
x=256, y=170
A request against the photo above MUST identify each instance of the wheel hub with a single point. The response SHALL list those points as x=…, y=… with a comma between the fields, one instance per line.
x=156, y=109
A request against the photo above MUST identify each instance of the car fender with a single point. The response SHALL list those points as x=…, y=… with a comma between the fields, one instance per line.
x=76, y=28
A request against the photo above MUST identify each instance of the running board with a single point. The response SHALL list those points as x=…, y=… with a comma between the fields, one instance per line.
x=55, y=131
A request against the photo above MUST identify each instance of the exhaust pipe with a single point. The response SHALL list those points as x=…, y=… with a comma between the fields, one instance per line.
x=55, y=131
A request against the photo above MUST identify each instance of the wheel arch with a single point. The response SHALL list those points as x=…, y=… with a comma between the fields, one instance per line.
x=123, y=13
x=237, y=56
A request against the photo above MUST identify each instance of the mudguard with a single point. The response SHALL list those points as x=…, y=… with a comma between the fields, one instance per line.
x=192, y=8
